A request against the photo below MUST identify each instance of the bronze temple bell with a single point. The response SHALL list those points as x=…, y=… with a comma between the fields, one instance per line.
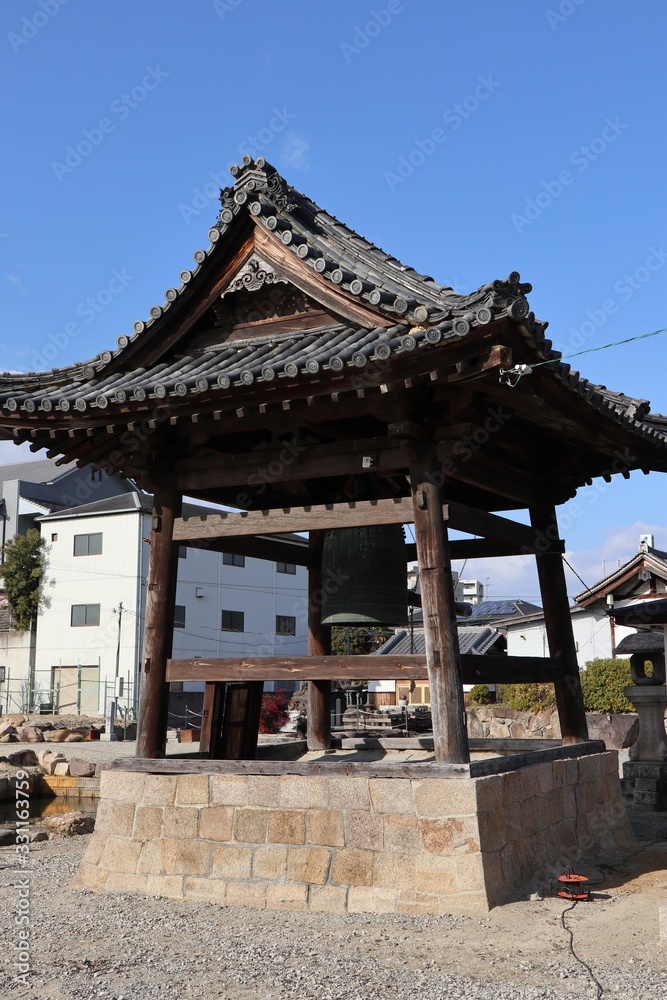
x=369, y=567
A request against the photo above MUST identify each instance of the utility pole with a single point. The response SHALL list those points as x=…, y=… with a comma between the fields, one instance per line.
x=118, y=612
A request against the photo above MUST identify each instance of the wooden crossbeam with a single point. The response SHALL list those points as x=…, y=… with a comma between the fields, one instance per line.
x=486, y=669
x=502, y=532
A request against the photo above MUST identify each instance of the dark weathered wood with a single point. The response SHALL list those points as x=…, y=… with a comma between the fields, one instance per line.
x=516, y=762
x=439, y=611
x=500, y=669
x=326, y=765
x=240, y=726
x=211, y=723
x=291, y=462
x=487, y=669
x=330, y=765
x=319, y=645
x=558, y=624
x=159, y=626
x=273, y=549
x=501, y=529
x=472, y=548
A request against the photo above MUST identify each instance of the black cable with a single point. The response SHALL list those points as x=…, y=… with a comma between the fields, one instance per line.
x=600, y=991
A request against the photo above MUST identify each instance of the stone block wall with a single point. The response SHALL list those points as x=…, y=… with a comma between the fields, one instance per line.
x=337, y=844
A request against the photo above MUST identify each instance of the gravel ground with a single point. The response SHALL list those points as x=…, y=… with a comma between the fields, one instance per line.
x=118, y=946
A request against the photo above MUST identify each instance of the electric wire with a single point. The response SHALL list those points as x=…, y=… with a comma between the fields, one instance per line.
x=521, y=370
x=592, y=976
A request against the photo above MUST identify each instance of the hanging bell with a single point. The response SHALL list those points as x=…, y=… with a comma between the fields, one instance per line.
x=368, y=567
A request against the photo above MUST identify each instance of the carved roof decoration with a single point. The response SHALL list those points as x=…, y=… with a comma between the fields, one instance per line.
x=345, y=310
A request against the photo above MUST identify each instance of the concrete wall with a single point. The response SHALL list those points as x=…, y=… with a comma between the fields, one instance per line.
x=352, y=844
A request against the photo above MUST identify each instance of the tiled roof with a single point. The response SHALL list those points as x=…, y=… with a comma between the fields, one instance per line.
x=655, y=559
x=419, y=314
x=43, y=470
x=472, y=639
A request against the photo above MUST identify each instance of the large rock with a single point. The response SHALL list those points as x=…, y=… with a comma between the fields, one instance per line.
x=69, y=824
x=7, y=838
x=9, y=738
x=56, y=735
x=618, y=731
x=74, y=738
x=31, y=734
x=49, y=759
x=61, y=769
x=80, y=768
x=7, y=727
x=16, y=720
x=22, y=758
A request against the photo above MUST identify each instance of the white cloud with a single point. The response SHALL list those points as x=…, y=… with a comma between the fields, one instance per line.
x=295, y=151
x=16, y=281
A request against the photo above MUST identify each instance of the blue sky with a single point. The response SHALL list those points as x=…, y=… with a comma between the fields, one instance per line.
x=469, y=137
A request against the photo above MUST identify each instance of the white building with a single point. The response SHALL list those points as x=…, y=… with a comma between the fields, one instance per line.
x=596, y=634
x=97, y=560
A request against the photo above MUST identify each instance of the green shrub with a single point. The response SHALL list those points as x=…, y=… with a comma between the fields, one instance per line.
x=480, y=695
x=602, y=683
x=527, y=697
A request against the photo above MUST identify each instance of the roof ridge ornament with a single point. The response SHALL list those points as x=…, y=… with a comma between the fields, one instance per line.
x=254, y=273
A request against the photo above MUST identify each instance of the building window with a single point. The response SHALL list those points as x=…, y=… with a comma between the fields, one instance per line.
x=232, y=621
x=182, y=552
x=3, y=673
x=179, y=616
x=282, y=567
x=54, y=536
x=85, y=614
x=232, y=559
x=285, y=625
x=88, y=545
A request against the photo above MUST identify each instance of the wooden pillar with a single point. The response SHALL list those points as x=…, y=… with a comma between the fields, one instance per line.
x=211, y=721
x=558, y=624
x=319, y=644
x=159, y=626
x=450, y=736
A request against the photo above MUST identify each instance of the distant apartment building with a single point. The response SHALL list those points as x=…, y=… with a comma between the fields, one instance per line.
x=90, y=631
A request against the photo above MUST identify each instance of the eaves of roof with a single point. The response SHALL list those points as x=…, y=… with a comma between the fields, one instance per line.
x=653, y=559
x=415, y=314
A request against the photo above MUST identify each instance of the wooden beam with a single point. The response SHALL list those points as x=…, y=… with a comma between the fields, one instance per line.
x=256, y=470
x=298, y=668
x=486, y=669
x=518, y=538
x=501, y=529
x=472, y=548
x=274, y=549
x=293, y=519
x=558, y=625
x=367, y=769
x=319, y=645
x=443, y=657
x=159, y=627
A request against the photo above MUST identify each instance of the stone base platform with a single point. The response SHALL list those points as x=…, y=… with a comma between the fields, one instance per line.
x=336, y=838
x=644, y=784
